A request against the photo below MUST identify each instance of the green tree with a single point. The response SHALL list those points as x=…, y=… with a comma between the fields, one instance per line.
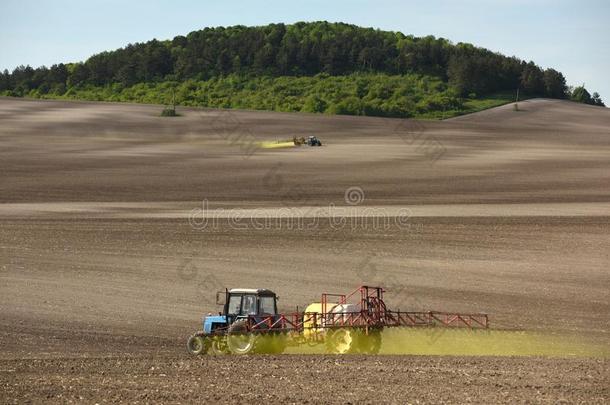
x=462, y=74
x=581, y=95
x=315, y=104
x=532, y=79
x=349, y=106
x=127, y=74
x=554, y=84
x=236, y=64
x=597, y=100
x=79, y=75
x=5, y=80
x=58, y=74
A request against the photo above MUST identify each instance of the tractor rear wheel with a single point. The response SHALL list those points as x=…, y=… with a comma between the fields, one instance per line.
x=341, y=341
x=197, y=345
x=240, y=340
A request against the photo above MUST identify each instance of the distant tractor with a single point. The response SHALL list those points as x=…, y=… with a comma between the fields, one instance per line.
x=310, y=141
x=313, y=141
x=349, y=323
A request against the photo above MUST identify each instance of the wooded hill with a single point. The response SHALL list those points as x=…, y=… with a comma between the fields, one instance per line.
x=316, y=67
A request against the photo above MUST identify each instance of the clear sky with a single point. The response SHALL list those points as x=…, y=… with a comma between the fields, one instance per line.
x=569, y=35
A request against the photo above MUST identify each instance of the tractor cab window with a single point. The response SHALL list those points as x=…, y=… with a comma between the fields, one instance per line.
x=234, y=304
x=267, y=305
x=249, y=305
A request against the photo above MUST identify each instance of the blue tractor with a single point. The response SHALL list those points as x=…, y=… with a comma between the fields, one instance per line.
x=344, y=323
x=228, y=331
x=310, y=141
x=313, y=141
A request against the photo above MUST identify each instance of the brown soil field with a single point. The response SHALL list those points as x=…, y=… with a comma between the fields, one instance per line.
x=117, y=227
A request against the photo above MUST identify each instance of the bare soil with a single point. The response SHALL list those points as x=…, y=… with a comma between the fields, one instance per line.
x=308, y=379
x=106, y=266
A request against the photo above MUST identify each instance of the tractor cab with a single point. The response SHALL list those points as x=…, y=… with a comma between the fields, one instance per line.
x=241, y=303
x=313, y=141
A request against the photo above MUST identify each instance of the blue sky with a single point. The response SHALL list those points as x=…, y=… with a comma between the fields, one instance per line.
x=568, y=35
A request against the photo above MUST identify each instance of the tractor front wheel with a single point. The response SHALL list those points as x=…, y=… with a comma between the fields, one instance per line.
x=197, y=345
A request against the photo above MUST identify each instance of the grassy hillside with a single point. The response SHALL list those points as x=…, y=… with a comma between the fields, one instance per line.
x=357, y=94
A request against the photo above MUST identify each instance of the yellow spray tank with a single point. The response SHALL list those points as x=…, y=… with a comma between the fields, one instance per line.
x=313, y=322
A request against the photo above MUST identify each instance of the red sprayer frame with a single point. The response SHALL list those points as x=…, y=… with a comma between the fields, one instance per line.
x=372, y=314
